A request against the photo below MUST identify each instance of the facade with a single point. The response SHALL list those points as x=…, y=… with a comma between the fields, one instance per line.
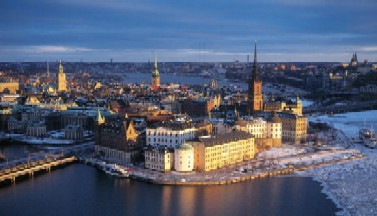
x=274, y=131
x=200, y=107
x=211, y=153
x=36, y=129
x=170, y=135
x=184, y=158
x=255, y=97
x=160, y=159
x=61, y=79
x=74, y=132
x=267, y=134
x=118, y=141
x=294, y=128
x=9, y=87
x=155, y=76
x=288, y=107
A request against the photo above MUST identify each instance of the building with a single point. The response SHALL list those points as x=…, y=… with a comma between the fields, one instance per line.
x=170, y=134
x=294, y=107
x=184, y=158
x=274, y=131
x=255, y=97
x=61, y=79
x=36, y=129
x=155, y=76
x=200, y=107
x=294, y=128
x=214, y=152
x=74, y=132
x=160, y=159
x=267, y=134
x=10, y=87
x=118, y=141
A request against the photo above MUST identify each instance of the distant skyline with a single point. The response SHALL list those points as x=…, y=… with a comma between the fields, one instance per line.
x=195, y=31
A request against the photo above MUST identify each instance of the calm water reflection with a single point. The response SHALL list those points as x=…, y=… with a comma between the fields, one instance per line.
x=82, y=190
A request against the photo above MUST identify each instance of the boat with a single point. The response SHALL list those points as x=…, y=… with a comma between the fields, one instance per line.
x=115, y=170
x=368, y=137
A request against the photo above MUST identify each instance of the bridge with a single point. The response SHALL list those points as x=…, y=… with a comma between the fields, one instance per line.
x=32, y=167
x=42, y=161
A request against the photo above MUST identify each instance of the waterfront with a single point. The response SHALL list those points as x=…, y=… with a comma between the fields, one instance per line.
x=82, y=190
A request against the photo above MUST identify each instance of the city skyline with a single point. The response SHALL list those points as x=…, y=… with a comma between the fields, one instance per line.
x=286, y=31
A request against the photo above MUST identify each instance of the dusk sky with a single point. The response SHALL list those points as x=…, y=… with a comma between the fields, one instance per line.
x=192, y=30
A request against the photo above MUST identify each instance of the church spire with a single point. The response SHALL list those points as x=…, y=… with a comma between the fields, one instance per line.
x=155, y=75
x=255, y=65
x=155, y=61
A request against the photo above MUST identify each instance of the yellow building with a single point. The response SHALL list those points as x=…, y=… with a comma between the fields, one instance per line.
x=222, y=150
x=294, y=128
x=288, y=107
x=9, y=87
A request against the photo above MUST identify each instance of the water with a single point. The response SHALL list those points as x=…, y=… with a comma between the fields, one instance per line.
x=81, y=190
x=351, y=122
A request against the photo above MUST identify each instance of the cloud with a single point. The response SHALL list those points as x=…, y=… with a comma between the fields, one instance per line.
x=44, y=49
x=369, y=49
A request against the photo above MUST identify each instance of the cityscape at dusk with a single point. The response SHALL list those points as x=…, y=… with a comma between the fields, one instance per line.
x=188, y=108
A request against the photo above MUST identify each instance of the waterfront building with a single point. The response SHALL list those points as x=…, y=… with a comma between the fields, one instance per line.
x=184, y=158
x=15, y=125
x=255, y=97
x=214, y=152
x=74, y=132
x=118, y=141
x=155, y=76
x=294, y=128
x=159, y=159
x=36, y=129
x=61, y=79
x=171, y=133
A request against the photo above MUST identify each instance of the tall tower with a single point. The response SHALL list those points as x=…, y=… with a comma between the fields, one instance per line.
x=255, y=97
x=155, y=75
x=62, y=82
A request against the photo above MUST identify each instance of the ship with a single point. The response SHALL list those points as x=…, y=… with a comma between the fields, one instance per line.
x=115, y=170
x=368, y=137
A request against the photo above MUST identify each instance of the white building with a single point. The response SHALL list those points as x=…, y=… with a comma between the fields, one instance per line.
x=169, y=137
x=184, y=158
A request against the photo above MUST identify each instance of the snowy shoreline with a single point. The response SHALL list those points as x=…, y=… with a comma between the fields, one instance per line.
x=352, y=186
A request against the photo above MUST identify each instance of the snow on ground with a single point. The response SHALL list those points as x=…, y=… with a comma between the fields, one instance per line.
x=352, y=185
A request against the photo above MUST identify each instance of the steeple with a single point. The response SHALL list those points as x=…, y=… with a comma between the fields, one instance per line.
x=61, y=79
x=255, y=65
x=61, y=67
x=155, y=75
x=155, y=72
x=255, y=97
x=100, y=119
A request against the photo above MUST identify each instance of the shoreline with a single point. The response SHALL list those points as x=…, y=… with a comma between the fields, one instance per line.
x=232, y=180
